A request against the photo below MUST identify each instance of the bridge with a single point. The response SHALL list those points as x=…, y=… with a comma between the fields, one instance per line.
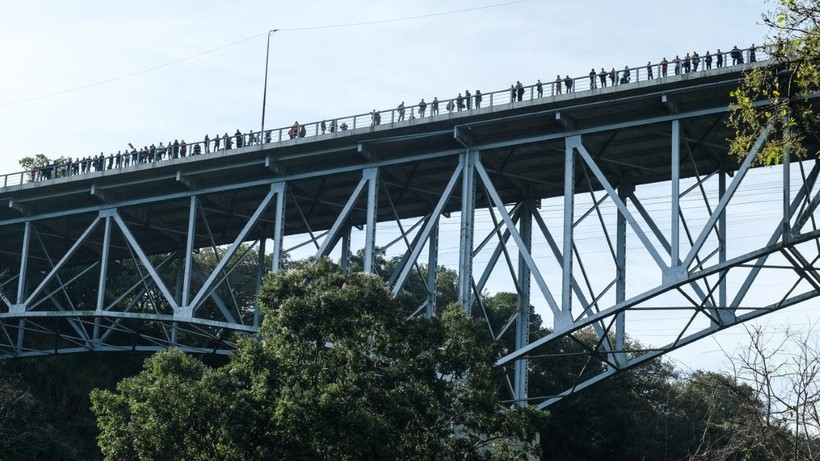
x=105, y=260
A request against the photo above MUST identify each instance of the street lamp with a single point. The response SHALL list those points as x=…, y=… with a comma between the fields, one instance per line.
x=265, y=90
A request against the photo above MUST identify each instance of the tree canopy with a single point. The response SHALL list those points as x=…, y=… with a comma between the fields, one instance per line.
x=785, y=86
x=337, y=372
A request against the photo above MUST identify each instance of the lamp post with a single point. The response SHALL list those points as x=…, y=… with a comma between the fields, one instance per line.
x=265, y=90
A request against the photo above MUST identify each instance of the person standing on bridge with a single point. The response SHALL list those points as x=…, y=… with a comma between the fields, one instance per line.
x=695, y=60
x=468, y=98
x=687, y=64
x=176, y=149
x=226, y=141
x=422, y=107
x=592, y=75
x=719, y=58
x=294, y=129
x=737, y=56
x=477, y=99
x=539, y=88
x=612, y=77
x=460, y=102
x=238, y=137
x=323, y=127
x=707, y=61
x=664, y=66
x=434, y=106
x=520, y=89
x=568, y=84
x=183, y=149
x=676, y=62
x=207, y=143
x=752, y=56
x=602, y=77
x=557, y=84
x=401, y=111
x=649, y=75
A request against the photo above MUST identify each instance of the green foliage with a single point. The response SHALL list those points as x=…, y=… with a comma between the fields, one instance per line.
x=44, y=404
x=337, y=372
x=37, y=161
x=413, y=297
x=784, y=85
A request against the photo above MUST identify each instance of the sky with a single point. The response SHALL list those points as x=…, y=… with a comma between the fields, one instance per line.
x=88, y=76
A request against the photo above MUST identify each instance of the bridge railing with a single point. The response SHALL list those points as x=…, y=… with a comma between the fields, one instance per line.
x=505, y=97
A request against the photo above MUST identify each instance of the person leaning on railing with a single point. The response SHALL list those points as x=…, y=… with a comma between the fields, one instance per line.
x=175, y=149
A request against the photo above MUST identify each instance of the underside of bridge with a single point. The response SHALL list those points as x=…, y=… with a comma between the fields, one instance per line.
x=604, y=212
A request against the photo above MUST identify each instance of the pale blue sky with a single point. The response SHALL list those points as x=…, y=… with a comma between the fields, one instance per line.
x=57, y=45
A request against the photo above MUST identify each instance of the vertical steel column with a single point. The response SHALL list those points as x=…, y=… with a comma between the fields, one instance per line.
x=786, y=233
x=432, y=272
x=178, y=281
x=569, y=211
x=21, y=281
x=722, y=242
x=465, y=252
x=344, y=259
x=178, y=298
x=189, y=253
x=260, y=274
x=372, y=175
x=103, y=266
x=21, y=287
x=624, y=191
x=522, y=325
x=278, y=227
x=675, y=256
x=106, y=245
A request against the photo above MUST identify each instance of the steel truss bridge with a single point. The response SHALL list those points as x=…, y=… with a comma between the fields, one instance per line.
x=608, y=210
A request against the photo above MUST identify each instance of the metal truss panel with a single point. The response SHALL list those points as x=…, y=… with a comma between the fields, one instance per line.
x=595, y=247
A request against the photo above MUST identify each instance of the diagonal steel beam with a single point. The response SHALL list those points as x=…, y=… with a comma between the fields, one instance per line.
x=62, y=262
x=413, y=253
x=145, y=261
x=613, y=194
x=333, y=235
x=536, y=273
x=730, y=192
x=206, y=287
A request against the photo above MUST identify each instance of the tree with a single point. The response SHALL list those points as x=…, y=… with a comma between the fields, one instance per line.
x=786, y=85
x=336, y=372
x=414, y=295
x=44, y=408
x=624, y=417
x=37, y=161
x=775, y=388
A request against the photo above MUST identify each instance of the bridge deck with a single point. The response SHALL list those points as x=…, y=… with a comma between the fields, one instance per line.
x=521, y=143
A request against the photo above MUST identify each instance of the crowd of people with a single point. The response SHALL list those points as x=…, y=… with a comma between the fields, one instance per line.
x=146, y=154
x=466, y=101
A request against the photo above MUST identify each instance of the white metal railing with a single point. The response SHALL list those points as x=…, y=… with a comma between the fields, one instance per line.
x=596, y=79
